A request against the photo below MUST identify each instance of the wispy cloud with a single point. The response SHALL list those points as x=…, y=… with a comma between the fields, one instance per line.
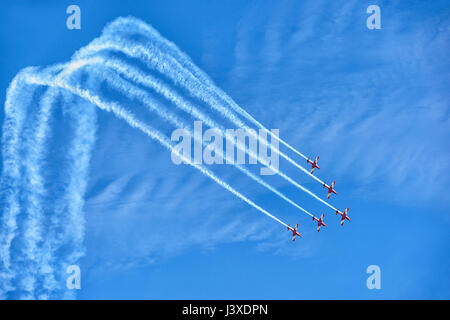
x=371, y=103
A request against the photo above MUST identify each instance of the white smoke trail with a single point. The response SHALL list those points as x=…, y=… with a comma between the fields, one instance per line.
x=20, y=93
x=154, y=134
x=24, y=171
x=134, y=92
x=80, y=151
x=15, y=112
x=161, y=88
x=34, y=145
x=66, y=228
x=168, y=47
x=75, y=198
x=307, y=191
x=172, y=68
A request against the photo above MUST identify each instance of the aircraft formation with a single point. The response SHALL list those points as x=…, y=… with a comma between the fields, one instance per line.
x=330, y=190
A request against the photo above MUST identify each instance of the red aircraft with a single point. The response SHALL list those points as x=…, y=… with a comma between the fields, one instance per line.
x=294, y=232
x=313, y=164
x=344, y=216
x=319, y=222
x=330, y=189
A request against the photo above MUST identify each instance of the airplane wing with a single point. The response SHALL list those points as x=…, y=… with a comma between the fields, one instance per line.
x=312, y=170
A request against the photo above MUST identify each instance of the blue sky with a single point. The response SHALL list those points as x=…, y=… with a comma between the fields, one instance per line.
x=374, y=104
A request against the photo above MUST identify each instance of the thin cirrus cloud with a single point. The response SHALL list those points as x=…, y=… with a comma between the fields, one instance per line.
x=373, y=104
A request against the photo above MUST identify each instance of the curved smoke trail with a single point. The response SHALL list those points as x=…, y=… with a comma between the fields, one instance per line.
x=141, y=52
x=128, y=117
x=169, y=66
x=170, y=48
x=147, y=80
x=18, y=97
x=34, y=143
x=47, y=245
x=77, y=178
